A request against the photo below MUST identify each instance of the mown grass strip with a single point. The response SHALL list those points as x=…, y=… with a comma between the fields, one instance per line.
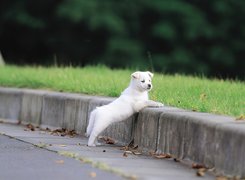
x=193, y=93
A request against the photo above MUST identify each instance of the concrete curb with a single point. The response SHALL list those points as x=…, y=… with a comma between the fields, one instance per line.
x=213, y=140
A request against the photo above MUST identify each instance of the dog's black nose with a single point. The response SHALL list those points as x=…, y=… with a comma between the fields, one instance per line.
x=149, y=85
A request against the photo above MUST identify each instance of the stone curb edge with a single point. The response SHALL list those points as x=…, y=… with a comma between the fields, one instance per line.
x=216, y=141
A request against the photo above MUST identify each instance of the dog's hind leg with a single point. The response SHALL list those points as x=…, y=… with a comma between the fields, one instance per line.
x=98, y=128
x=91, y=123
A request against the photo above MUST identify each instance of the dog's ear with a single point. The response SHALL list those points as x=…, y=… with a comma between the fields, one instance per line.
x=150, y=74
x=136, y=75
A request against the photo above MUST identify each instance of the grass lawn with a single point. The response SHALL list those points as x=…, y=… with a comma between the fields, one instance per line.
x=193, y=93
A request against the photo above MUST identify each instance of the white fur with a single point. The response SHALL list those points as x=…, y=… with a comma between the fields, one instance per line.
x=132, y=100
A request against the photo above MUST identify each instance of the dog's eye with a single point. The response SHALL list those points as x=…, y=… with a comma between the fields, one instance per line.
x=143, y=81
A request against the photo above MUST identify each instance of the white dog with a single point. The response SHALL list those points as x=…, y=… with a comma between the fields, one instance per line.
x=132, y=100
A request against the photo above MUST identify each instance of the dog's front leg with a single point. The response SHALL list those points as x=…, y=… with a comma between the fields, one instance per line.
x=149, y=103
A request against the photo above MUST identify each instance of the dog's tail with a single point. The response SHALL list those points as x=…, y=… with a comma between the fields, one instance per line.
x=91, y=123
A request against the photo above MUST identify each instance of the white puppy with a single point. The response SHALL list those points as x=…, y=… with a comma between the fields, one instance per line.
x=132, y=100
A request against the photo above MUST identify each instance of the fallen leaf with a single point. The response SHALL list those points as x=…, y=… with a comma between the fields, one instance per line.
x=198, y=166
x=30, y=127
x=136, y=153
x=125, y=148
x=200, y=173
x=152, y=153
x=130, y=146
x=71, y=133
x=163, y=156
x=93, y=174
x=125, y=154
x=202, y=169
x=108, y=140
x=135, y=147
x=63, y=132
x=60, y=161
x=129, y=152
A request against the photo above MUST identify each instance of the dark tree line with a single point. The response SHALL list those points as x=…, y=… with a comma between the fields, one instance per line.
x=184, y=36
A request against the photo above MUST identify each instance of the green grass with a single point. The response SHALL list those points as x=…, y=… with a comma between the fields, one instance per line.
x=193, y=93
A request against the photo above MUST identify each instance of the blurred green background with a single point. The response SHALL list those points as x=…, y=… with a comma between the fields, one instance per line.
x=175, y=36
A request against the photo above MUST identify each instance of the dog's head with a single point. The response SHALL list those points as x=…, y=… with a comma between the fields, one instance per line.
x=142, y=80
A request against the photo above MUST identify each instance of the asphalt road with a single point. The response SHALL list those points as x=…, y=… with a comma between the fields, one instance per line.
x=22, y=158
x=23, y=161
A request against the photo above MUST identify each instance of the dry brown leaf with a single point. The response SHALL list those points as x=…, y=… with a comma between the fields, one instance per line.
x=152, y=153
x=136, y=153
x=198, y=166
x=200, y=173
x=108, y=140
x=135, y=147
x=93, y=174
x=129, y=152
x=163, y=156
x=168, y=156
x=125, y=154
x=30, y=127
x=124, y=148
x=63, y=132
